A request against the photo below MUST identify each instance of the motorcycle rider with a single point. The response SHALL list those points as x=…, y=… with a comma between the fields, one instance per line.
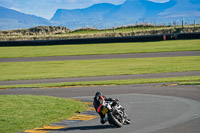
x=98, y=103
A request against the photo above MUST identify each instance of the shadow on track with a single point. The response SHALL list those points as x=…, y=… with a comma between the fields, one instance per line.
x=95, y=127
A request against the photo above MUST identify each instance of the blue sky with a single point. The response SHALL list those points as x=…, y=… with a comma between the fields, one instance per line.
x=47, y=8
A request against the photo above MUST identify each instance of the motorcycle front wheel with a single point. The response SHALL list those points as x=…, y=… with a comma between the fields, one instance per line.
x=112, y=120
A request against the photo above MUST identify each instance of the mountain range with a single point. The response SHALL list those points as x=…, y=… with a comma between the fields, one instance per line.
x=107, y=15
x=11, y=19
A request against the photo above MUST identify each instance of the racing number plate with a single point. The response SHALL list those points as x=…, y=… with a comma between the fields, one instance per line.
x=104, y=111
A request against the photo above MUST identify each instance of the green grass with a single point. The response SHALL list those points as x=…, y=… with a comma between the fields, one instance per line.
x=102, y=67
x=89, y=49
x=190, y=83
x=123, y=29
x=140, y=28
x=116, y=30
x=18, y=113
x=108, y=82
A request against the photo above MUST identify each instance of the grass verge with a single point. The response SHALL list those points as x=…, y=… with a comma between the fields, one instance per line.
x=102, y=67
x=18, y=113
x=190, y=83
x=107, y=82
x=89, y=49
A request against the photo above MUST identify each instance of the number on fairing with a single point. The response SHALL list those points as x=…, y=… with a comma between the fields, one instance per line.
x=104, y=111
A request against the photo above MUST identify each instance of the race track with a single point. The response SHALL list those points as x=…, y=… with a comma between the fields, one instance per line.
x=153, y=108
x=97, y=78
x=106, y=56
x=147, y=112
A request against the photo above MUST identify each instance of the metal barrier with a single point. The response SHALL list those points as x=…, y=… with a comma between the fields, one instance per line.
x=147, y=38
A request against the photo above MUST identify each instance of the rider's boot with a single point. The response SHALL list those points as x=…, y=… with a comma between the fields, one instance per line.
x=128, y=121
x=104, y=120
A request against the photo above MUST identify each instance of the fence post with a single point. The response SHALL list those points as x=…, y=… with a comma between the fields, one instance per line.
x=182, y=23
x=164, y=37
x=132, y=28
x=174, y=24
x=143, y=29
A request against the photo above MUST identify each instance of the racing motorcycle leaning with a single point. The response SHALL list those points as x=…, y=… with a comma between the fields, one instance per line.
x=115, y=113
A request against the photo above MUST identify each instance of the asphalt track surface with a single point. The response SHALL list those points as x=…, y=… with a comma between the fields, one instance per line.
x=100, y=78
x=152, y=108
x=106, y=56
x=97, y=78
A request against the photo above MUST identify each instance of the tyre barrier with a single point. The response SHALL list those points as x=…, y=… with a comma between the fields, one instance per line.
x=147, y=38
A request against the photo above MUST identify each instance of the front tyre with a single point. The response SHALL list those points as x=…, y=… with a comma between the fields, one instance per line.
x=113, y=120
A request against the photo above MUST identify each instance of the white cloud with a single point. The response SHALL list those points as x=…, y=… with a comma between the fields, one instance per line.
x=159, y=1
x=109, y=1
x=13, y=8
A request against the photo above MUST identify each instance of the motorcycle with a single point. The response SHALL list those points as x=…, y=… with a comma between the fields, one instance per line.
x=115, y=113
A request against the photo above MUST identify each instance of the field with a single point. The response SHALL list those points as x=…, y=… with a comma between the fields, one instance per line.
x=186, y=80
x=88, y=32
x=101, y=67
x=18, y=113
x=121, y=29
x=94, y=49
x=126, y=29
x=98, y=67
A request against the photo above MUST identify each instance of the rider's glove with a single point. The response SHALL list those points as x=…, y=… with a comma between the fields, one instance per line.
x=116, y=100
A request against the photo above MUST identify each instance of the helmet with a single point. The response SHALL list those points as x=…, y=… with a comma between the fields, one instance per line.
x=98, y=94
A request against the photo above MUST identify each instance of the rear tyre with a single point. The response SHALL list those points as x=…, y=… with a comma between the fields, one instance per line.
x=112, y=120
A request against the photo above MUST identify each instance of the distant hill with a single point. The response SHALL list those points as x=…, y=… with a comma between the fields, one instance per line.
x=183, y=9
x=11, y=19
x=79, y=18
x=94, y=12
x=108, y=15
x=135, y=10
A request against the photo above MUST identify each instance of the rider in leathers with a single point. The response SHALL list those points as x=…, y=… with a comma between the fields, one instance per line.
x=98, y=103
